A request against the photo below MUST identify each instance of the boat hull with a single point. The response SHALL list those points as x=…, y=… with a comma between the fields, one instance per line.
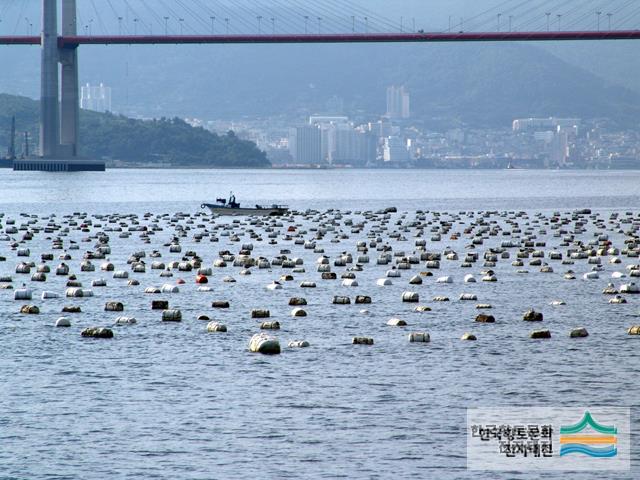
x=265, y=212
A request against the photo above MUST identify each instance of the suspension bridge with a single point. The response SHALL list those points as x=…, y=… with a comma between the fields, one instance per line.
x=137, y=22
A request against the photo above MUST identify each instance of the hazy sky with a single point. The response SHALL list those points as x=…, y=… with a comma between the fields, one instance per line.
x=615, y=61
x=433, y=15
x=427, y=13
x=428, y=8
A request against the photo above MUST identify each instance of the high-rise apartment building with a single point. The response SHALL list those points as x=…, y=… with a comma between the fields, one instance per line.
x=395, y=150
x=398, y=102
x=305, y=145
x=96, y=98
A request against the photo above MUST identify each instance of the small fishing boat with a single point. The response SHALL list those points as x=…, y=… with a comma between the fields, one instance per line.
x=231, y=207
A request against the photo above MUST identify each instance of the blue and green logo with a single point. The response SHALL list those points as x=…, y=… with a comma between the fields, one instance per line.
x=600, y=441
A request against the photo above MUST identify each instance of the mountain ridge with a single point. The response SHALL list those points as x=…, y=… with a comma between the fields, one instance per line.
x=477, y=84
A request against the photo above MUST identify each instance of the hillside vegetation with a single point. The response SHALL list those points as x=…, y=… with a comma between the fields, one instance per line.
x=150, y=142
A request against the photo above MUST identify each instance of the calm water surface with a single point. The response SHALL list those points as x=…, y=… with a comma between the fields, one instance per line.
x=171, y=402
x=135, y=190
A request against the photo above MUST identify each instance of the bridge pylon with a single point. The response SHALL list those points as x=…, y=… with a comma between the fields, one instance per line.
x=59, y=117
x=70, y=101
x=49, y=106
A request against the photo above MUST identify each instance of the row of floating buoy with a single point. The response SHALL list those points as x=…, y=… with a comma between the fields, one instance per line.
x=482, y=228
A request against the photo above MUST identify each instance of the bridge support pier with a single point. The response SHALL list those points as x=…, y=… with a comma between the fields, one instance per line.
x=70, y=106
x=49, y=114
x=59, y=122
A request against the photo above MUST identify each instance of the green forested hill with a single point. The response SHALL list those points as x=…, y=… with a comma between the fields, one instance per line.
x=149, y=142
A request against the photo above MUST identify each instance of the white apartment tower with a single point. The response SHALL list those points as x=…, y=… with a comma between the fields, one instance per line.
x=398, y=102
x=96, y=98
x=305, y=145
x=395, y=150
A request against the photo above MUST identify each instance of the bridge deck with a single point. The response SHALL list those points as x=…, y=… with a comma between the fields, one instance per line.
x=73, y=41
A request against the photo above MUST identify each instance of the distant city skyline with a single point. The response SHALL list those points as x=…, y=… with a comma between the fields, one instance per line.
x=531, y=142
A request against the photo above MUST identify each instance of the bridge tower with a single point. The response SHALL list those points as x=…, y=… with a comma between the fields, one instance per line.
x=59, y=120
x=49, y=108
x=70, y=106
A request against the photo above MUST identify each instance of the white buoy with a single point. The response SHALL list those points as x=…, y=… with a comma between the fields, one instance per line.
x=126, y=321
x=22, y=294
x=341, y=300
x=63, y=322
x=121, y=274
x=410, y=297
x=396, y=322
x=419, y=337
x=216, y=327
x=74, y=292
x=265, y=344
x=168, y=288
x=630, y=288
x=468, y=296
x=171, y=316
